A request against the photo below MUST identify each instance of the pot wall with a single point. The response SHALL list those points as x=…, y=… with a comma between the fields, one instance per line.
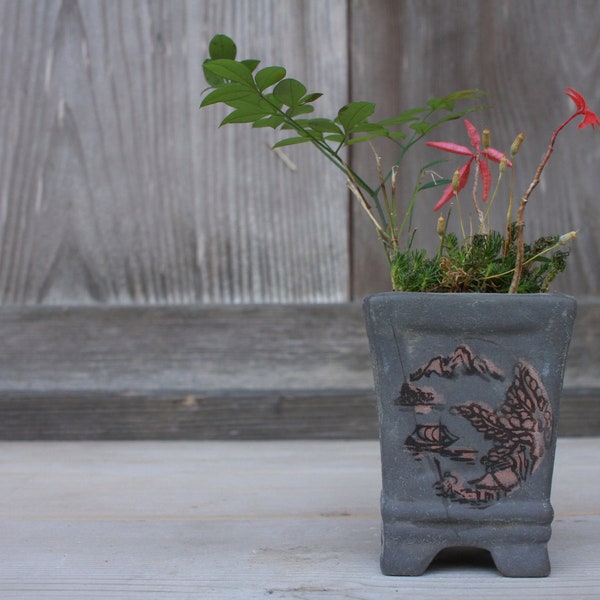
x=468, y=388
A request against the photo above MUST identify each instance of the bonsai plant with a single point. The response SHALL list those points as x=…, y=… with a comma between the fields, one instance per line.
x=468, y=383
x=483, y=261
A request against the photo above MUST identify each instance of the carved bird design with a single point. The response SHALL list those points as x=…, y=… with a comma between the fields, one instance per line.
x=520, y=428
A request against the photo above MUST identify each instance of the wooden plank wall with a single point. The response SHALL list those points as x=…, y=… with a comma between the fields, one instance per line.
x=227, y=372
x=116, y=189
x=129, y=223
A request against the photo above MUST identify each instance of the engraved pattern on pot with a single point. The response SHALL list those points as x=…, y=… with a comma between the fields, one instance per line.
x=519, y=429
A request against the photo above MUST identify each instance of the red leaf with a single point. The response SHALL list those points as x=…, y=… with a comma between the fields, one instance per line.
x=451, y=147
x=496, y=156
x=446, y=197
x=589, y=118
x=449, y=191
x=473, y=135
x=486, y=178
x=579, y=100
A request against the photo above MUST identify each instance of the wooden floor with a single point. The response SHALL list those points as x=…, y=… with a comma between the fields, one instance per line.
x=244, y=520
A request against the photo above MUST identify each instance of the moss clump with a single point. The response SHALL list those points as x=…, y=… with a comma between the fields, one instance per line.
x=485, y=263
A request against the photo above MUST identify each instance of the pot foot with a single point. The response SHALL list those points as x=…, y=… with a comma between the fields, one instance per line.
x=522, y=560
x=511, y=560
x=407, y=559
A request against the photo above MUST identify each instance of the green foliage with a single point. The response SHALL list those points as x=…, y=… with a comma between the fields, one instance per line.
x=485, y=263
x=234, y=84
x=237, y=87
x=268, y=98
x=222, y=47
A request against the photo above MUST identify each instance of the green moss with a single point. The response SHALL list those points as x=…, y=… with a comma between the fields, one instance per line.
x=482, y=264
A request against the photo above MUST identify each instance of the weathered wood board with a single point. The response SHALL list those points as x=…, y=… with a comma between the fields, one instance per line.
x=117, y=192
x=246, y=521
x=115, y=188
x=262, y=372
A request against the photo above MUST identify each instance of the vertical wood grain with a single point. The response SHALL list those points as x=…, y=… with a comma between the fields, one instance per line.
x=115, y=188
x=524, y=54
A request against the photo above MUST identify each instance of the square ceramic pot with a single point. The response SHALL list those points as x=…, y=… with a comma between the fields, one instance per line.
x=468, y=389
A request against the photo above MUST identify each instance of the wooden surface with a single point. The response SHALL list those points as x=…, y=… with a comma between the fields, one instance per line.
x=115, y=187
x=248, y=520
x=261, y=372
x=117, y=191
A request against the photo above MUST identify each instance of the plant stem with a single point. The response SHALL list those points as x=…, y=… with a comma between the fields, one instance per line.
x=388, y=208
x=525, y=262
x=355, y=189
x=480, y=216
x=509, y=212
x=491, y=200
x=460, y=219
x=514, y=285
x=322, y=146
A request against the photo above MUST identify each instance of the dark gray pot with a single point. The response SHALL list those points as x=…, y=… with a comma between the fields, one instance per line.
x=468, y=387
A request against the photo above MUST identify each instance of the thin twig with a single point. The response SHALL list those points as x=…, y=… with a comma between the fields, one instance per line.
x=514, y=285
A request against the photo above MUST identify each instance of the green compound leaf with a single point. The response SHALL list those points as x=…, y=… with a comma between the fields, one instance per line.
x=422, y=127
x=250, y=64
x=291, y=141
x=231, y=70
x=269, y=76
x=404, y=117
x=273, y=121
x=290, y=92
x=303, y=109
x=211, y=78
x=447, y=102
x=253, y=104
x=242, y=115
x=350, y=115
x=222, y=46
x=310, y=97
x=324, y=125
x=228, y=93
x=372, y=128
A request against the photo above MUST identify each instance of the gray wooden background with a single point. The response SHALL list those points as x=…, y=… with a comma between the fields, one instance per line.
x=143, y=249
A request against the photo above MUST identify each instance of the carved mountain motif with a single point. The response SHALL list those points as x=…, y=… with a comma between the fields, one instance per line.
x=462, y=358
x=422, y=399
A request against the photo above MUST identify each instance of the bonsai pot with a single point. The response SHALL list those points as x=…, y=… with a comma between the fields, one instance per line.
x=468, y=389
